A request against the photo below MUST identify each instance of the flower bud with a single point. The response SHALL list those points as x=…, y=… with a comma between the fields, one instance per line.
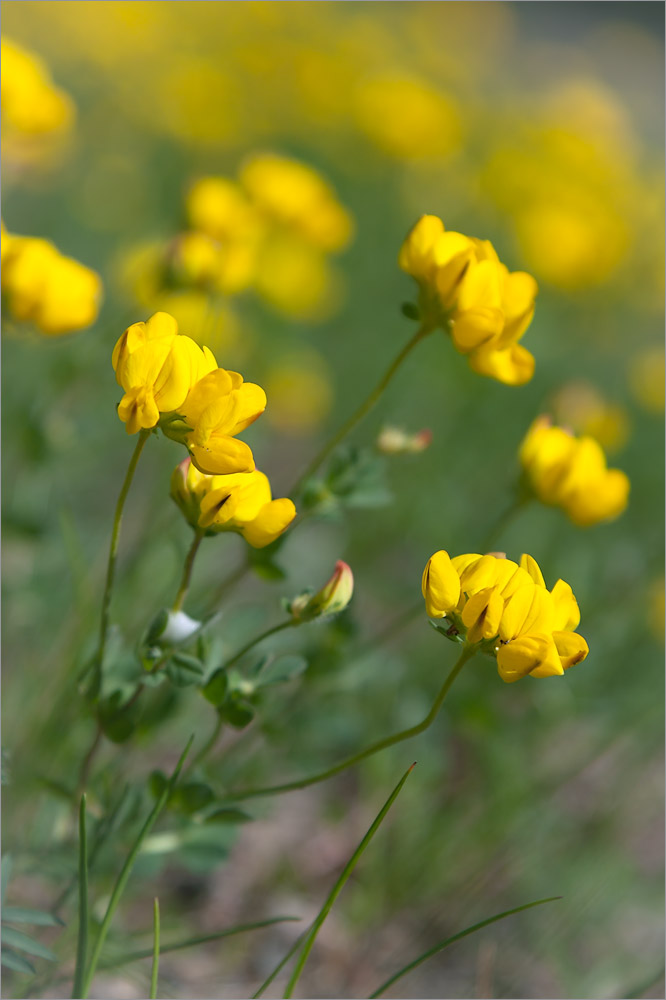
x=187, y=490
x=395, y=441
x=333, y=597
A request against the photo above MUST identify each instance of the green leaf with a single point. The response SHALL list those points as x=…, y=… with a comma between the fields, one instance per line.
x=21, y=941
x=193, y=796
x=157, y=782
x=456, y=937
x=236, y=712
x=117, y=719
x=337, y=888
x=12, y=960
x=228, y=816
x=156, y=627
x=215, y=691
x=5, y=875
x=183, y=670
x=24, y=915
x=410, y=310
x=281, y=669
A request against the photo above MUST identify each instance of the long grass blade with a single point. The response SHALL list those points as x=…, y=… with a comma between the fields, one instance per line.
x=156, y=949
x=281, y=964
x=451, y=940
x=126, y=870
x=337, y=888
x=82, y=943
x=134, y=956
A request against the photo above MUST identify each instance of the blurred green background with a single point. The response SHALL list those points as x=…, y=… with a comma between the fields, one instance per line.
x=539, y=126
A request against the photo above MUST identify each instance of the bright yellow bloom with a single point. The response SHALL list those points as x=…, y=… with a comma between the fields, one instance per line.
x=218, y=207
x=506, y=606
x=571, y=473
x=31, y=103
x=240, y=502
x=171, y=381
x=42, y=286
x=466, y=289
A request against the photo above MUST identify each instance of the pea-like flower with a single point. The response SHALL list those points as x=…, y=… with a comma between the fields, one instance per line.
x=240, y=502
x=42, y=286
x=172, y=382
x=333, y=597
x=571, y=472
x=507, y=608
x=465, y=288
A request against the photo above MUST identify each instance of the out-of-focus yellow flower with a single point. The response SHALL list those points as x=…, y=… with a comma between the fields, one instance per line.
x=646, y=378
x=31, y=103
x=333, y=597
x=295, y=195
x=210, y=321
x=466, y=289
x=42, y=286
x=408, y=118
x=240, y=502
x=655, y=607
x=396, y=441
x=582, y=407
x=568, y=472
x=300, y=392
x=297, y=279
x=508, y=609
x=219, y=207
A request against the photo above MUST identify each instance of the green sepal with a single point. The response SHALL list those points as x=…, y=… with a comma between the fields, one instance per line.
x=215, y=691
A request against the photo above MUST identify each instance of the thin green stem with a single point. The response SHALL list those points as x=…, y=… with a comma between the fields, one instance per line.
x=289, y=623
x=125, y=872
x=187, y=569
x=233, y=578
x=363, y=409
x=156, y=949
x=208, y=745
x=406, y=734
x=113, y=553
x=82, y=944
x=339, y=885
x=504, y=520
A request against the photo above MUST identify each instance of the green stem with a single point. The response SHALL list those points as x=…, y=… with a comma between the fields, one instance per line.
x=504, y=520
x=82, y=945
x=289, y=623
x=111, y=564
x=187, y=570
x=156, y=949
x=406, y=734
x=208, y=745
x=363, y=409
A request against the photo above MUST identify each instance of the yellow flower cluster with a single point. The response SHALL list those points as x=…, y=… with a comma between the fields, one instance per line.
x=169, y=380
x=571, y=473
x=42, y=286
x=492, y=600
x=466, y=289
x=31, y=103
x=240, y=502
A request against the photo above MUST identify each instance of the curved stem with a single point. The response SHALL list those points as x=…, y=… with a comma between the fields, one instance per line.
x=111, y=564
x=290, y=623
x=187, y=570
x=406, y=734
x=363, y=409
x=208, y=745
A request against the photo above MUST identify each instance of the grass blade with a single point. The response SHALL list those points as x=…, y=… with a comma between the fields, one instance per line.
x=125, y=872
x=283, y=961
x=134, y=956
x=21, y=942
x=156, y=949
x=82, y=944
x=451, y=940
x=5, y=876
x=12, y=960
x=24, y=915
x=337, y=888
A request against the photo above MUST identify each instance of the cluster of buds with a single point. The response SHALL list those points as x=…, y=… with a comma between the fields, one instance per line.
x=465, y=289
x=396, y=441
x=333, y=597
x=571, y=473
x=507, y=609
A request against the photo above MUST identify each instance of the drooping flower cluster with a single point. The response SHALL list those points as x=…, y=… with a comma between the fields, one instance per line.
x=41, y=286
x=492, y=600
x=465, y=288
x=240, y=502
x=571, y=473
x=172, y=382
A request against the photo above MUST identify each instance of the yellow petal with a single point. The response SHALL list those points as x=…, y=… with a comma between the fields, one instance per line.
x=479, y=574
x=571, y=647
x=531, y=566
x=269, y=524
x=416, y=252
x=528, y=654
x=567, y=612
x=222, y=455
x=514, y=365
x=249, y=402
x=515, y=612
x=541, y=616
x=482, y=614
x=440, y=585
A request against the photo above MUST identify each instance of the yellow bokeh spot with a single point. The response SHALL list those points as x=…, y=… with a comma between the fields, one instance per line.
x=299, y=393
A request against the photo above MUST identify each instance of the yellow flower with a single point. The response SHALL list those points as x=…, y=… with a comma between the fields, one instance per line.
x=568, y=472
x=239, y=502
x=218, y=207
x=42, y=286
x=507, y=607
x=465, y=289
x=31, y=104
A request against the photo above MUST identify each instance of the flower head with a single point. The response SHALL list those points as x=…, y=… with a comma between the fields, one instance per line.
x=333, y=597
x=571, y=473
x=506, y=607
x=240, y=502
x=466, y=289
